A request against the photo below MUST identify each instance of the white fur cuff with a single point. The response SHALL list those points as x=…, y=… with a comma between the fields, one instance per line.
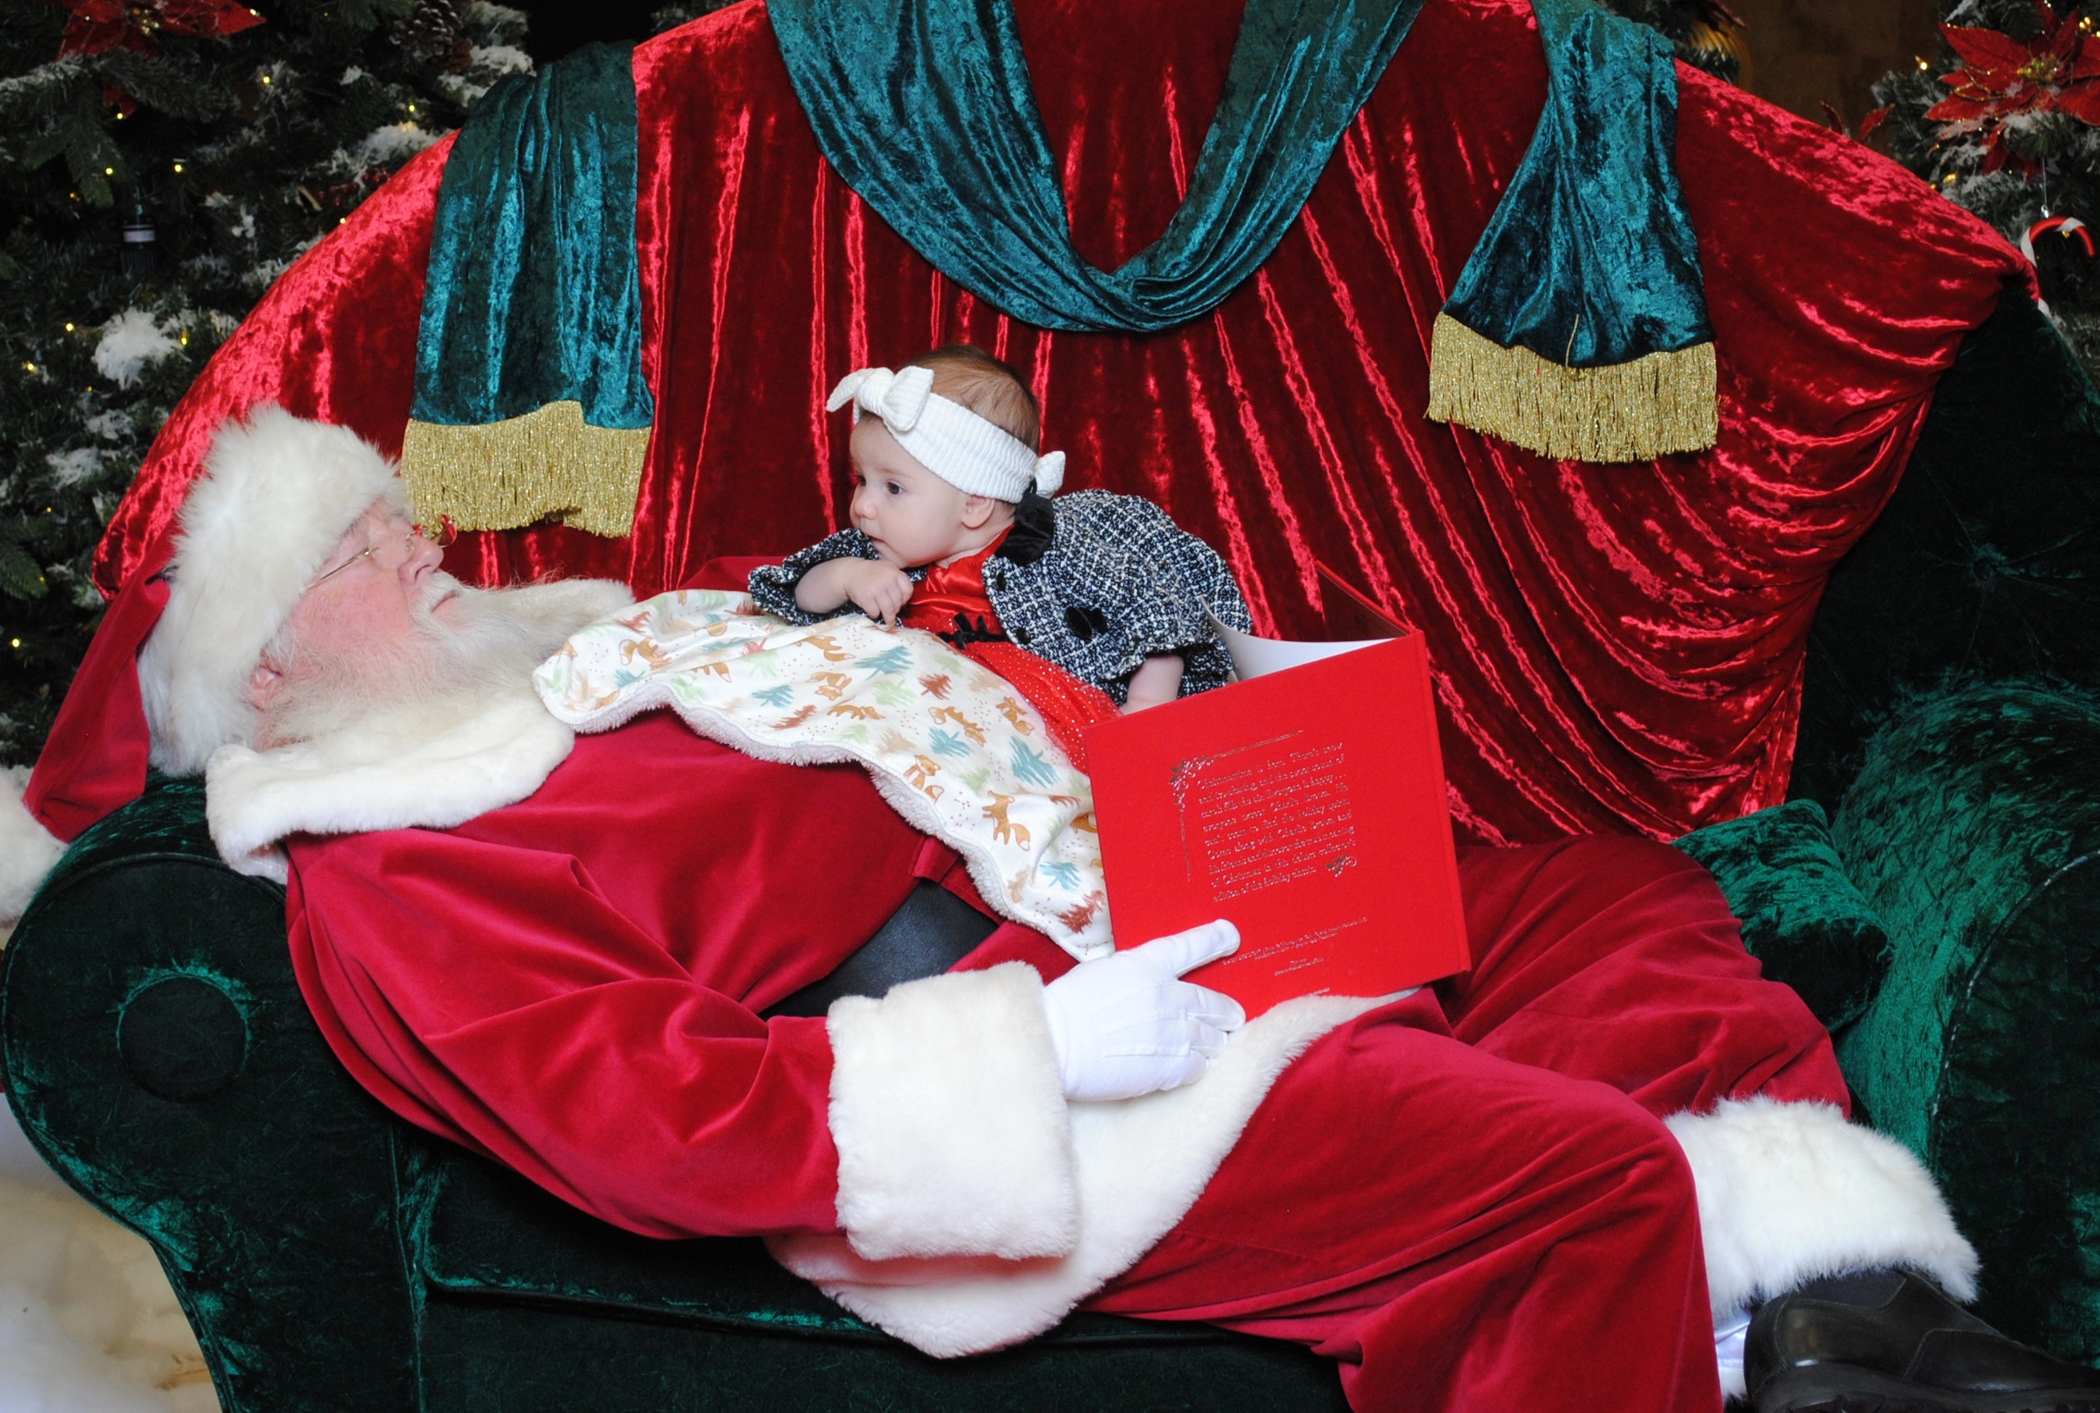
x=431, y=766
x=27, y=849
x=950, y=1120
x=1791, y=1192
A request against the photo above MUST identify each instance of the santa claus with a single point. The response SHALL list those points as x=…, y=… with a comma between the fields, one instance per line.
x=1562, y=1180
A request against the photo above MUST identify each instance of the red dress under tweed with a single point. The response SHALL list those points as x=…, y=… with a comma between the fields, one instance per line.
x=952, y=597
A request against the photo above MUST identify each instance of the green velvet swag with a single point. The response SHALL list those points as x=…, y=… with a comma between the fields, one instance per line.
x=1595, y=205
x=1801, y=915
x=530, y=402
x=1590, y=259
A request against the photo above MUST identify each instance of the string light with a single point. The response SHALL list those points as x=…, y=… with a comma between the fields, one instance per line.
x=29, y=367
x=109, y=171
x=178, y=168
x=69, y=328
x=14, y=642
x=266, y=80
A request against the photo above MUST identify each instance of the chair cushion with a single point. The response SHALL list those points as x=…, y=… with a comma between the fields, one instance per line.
x=1974, y=831
x=533, y=1304
x=1801, y=916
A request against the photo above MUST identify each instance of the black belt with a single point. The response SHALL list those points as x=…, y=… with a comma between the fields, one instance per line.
x=928, y=935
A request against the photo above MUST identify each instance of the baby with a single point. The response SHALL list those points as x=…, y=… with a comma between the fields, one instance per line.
x=953, y=531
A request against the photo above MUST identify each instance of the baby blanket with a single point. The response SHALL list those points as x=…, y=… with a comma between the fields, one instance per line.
x=954, y=749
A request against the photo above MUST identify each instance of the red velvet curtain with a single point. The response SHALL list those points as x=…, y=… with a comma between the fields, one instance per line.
x=1615, y=647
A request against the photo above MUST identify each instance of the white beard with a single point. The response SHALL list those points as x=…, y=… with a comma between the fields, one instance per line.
x=430, y=733
x=487, y=643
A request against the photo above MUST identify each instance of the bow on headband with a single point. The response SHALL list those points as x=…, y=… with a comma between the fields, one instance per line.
x=967, y=451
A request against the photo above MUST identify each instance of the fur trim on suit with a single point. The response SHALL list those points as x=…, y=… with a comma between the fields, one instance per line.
x=1790, y=1192
x=1138, y=1166
x=276, y=497
x=431, y=768
x=27, y=849
x=949, y=1119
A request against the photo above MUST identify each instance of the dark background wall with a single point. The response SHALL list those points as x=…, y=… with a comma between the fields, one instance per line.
x=561, y=25
x=1806, y=52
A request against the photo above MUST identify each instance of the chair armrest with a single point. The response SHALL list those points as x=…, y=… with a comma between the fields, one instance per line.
x=1974, y=832
x=159, y=1055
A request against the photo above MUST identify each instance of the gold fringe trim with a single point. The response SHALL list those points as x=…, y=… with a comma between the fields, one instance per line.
x=1636, y=411
x=546, y=465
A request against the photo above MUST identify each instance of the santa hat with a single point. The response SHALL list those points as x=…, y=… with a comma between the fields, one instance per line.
x=971, y=453
x=277, y=495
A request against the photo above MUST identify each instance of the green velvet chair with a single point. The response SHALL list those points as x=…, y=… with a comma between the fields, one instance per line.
x=330, y=1257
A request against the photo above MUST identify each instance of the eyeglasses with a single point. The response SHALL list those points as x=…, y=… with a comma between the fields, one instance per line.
x=372, y=552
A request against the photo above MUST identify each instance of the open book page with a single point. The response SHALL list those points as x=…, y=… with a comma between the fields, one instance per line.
x=1256, y=657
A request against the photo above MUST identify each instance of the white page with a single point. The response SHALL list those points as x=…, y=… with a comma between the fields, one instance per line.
x=1255, y=657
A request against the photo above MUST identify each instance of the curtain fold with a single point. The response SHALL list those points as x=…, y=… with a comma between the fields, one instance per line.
x=1615, y=648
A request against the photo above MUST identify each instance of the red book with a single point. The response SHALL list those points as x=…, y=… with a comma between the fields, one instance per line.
x=1307, y=805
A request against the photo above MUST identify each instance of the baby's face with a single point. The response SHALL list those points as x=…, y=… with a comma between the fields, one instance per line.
x=912, y=515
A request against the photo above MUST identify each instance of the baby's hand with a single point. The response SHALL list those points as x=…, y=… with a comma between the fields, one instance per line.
x=879, y=590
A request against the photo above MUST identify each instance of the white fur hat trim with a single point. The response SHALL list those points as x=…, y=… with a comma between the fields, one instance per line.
x=276, y=497
x=970, y=453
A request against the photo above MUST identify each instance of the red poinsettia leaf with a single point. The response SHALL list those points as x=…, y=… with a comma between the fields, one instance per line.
x=2081, y=101
x=1987, y=49
x=1870, y=122
x=1993, y=155
x=1951, y=110
x=2058, y=36
x=207, y=17
x=2085, y=63
x=89, y=33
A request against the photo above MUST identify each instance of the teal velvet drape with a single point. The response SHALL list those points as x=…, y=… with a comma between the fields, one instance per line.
x=534, y=294
x=1590, y=260
x=924, y=107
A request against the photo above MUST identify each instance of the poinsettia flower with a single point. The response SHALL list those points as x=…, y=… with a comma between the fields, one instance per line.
x=2001, y=77
x=101, y=25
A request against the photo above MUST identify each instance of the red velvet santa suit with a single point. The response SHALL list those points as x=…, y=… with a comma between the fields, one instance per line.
x=1467, y=1197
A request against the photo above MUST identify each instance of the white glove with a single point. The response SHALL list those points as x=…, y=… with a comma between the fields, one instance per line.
x=1127, y=1025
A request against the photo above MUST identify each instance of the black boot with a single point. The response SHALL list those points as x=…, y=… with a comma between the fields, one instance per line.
x=1892, y=1342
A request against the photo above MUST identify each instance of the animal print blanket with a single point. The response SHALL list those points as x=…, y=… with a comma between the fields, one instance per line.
x=954, y=749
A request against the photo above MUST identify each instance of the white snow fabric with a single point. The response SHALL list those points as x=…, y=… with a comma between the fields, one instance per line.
x=950, y=1121
x=277, y=495
x=1138, y=1166
x=1792, y=1192
x=969, y=452
x=88, y=1323
x=27, y=849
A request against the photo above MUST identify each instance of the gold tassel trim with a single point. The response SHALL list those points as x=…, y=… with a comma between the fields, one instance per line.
x=546, y=465
x=1653, y=406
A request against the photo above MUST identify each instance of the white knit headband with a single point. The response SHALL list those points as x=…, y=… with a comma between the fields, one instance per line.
x=973, y=455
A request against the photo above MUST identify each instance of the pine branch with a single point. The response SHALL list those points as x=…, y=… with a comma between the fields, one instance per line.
x=174, y=89
x=58, y=84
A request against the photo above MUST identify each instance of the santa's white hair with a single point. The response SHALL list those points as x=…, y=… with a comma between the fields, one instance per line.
x=277, y=495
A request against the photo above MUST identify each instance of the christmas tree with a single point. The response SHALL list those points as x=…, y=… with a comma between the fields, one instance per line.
x=161, y=162
x=2005, y=120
